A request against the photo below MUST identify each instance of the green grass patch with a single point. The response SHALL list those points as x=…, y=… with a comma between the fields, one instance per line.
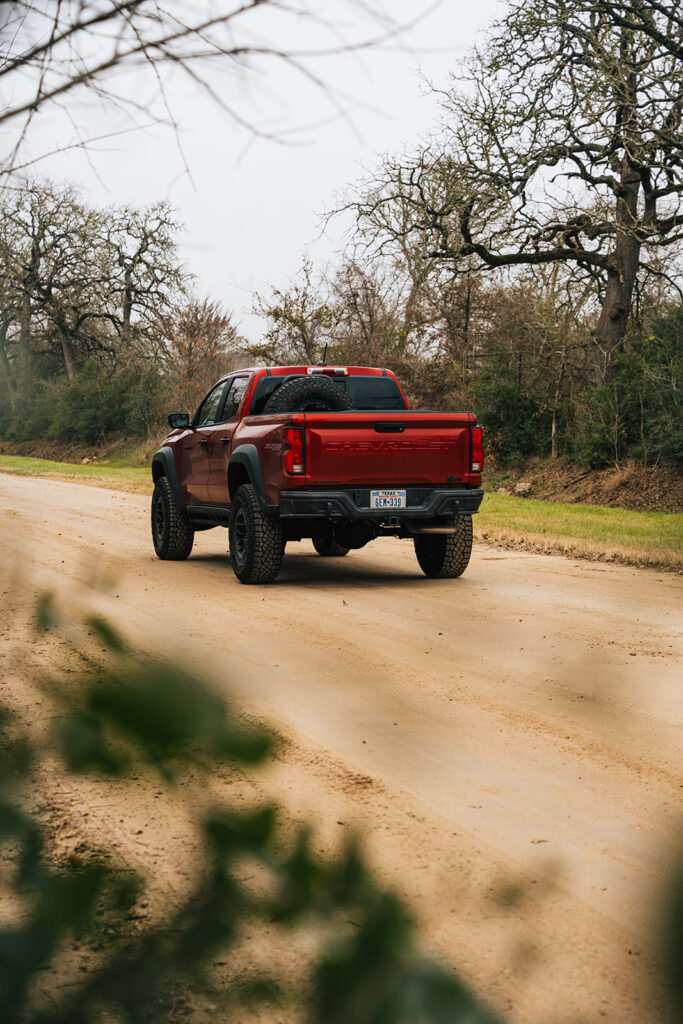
x=119, y=477
x=132, y=453
x=647, y=538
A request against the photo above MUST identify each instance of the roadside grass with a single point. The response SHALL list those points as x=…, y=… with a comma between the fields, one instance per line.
x=586, y=531
x=113, y=475
x=596, y=532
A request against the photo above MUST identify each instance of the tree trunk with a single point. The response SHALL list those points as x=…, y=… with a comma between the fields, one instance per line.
x=127, y=308
x=6, y=369
x=467, y=313
x=553, y=435
x=558, y=388
x=25, y=369
x=69, y=357
x=621, y=273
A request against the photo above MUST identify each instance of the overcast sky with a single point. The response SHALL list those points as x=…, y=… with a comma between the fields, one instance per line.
x=253, y=208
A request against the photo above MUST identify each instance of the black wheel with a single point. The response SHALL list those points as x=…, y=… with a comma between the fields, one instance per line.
x=171, y=531
x=256, y=545
x=445, y=555
x=328, y=548
x=309, y=394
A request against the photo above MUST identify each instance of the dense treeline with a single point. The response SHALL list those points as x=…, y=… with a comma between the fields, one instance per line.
x=102, y=334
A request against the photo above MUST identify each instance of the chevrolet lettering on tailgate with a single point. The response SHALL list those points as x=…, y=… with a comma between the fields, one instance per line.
x=389, y=446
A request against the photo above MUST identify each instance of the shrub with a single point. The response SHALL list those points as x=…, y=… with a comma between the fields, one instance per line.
x=514, y=420
x=100, y=401
x=639, y=414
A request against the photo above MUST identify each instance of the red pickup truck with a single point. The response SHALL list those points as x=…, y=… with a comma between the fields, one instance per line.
x=328, y=452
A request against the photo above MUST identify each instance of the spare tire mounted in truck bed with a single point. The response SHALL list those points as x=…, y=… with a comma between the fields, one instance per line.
x=309, y=394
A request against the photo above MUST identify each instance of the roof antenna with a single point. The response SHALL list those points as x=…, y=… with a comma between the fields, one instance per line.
x=322, y=361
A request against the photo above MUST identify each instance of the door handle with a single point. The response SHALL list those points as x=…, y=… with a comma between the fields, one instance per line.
x=204, y=442
x=225, y=440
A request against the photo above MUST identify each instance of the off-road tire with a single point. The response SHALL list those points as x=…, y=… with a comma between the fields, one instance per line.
x=172, y=534
x=309, y=394
x=445, y=555
x=328, y=548
x=256, y=546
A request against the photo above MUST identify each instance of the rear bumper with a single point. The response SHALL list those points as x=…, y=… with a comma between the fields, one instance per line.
x=354, y=503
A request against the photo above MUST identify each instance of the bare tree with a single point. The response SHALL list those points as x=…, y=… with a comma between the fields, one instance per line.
x=373, y=315
x=300, y=320
x=48, y=266
x=75, y=280
x=146, y=277
x=562, y=143
x=201, y=343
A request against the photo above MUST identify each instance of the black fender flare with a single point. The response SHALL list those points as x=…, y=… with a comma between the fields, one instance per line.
x=163, y=464
x=246, y=455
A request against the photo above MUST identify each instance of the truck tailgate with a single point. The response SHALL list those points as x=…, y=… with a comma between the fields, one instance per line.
x=396, y=449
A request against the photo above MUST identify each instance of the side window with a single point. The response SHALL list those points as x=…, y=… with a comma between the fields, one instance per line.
x=235, y=396
x=209, y=407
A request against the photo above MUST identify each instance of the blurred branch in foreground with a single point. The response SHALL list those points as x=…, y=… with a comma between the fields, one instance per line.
x=49, y=51
x=124, y=716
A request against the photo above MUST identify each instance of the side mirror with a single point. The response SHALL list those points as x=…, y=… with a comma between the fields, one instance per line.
x=179, y=420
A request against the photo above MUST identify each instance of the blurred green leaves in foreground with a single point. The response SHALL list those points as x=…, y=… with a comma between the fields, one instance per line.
x=125, y=716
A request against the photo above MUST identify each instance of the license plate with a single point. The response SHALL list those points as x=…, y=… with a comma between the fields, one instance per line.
x=387, y=499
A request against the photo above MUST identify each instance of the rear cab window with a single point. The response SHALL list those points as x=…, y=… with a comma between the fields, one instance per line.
x=374, y=392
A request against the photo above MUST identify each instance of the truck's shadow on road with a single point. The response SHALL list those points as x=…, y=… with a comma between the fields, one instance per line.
x=311, y=569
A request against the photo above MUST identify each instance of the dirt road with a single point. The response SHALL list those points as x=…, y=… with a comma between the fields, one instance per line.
x=508, y=743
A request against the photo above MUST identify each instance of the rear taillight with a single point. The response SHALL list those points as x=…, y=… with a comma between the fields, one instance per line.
x=293, y=458
x=476, y=450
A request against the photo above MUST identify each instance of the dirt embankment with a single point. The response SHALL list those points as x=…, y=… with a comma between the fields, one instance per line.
x=507, y=744
x=135, y=451
x=632, y=486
